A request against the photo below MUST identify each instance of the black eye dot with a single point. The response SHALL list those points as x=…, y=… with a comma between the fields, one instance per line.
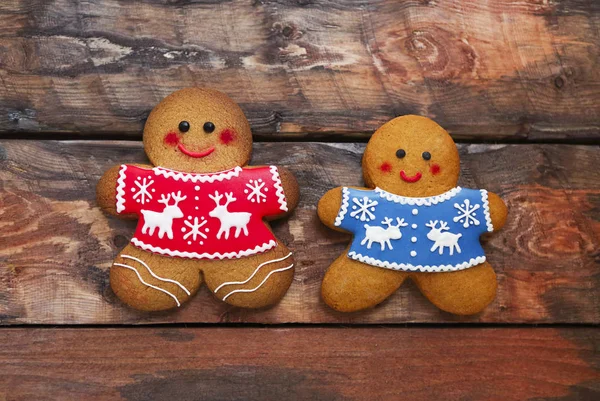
x=400, y=153
x=208, y=127
x=426, y=155
x=184, y=126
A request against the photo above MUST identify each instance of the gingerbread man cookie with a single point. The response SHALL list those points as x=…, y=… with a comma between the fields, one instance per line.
x=201, y=209
x=412, y=221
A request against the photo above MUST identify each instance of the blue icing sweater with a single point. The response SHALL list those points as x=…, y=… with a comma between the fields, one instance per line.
x=432, y=234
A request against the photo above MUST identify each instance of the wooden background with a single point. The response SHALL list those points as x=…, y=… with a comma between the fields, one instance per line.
x=515, y=82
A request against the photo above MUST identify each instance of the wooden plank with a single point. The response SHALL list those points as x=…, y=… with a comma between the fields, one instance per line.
x=56, y=245
x=485, y=70
x=300, y=364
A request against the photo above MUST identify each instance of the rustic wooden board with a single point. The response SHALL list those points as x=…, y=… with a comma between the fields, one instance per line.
x=299, y=363
x=56, y=246
x=498, y=69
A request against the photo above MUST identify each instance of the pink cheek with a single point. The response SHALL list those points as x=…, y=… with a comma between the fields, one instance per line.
x=435, y=169
x=171, y=139
x=227, y=136
x=385, y=167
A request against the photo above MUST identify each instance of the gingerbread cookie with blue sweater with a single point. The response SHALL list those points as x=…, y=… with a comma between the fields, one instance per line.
x=412, y=221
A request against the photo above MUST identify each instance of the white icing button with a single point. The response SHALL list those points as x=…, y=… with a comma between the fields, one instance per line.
x=414, y=226
x=415, y=212
x=196, y=208
x=196, y=198
x=413, y=253
x=197, y=187
x=189, y=242
x=414, y=239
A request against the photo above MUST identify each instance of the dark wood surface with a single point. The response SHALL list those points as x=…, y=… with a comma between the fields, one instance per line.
x=276, y=364
x=318, y=70
x=520, y=70
x=57, y=246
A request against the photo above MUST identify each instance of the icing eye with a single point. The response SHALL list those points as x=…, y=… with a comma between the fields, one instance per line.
x=208, y=127
x=426, y=155
x=184, y=126
x=400, y=153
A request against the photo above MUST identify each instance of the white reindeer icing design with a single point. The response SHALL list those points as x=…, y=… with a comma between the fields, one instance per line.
x=163, y=220
x=239, y=220
x=383, y=235
x=442, y=239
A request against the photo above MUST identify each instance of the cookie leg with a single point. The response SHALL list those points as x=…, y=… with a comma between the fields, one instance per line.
x=350, y=285
x=464, y=292
x=252, y=282
x=151, y=282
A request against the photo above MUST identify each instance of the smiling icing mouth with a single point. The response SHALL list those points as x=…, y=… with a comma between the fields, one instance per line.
x=410, y=179
x=202, y=153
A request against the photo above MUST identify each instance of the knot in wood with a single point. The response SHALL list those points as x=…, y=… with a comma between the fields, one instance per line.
x=428, y=51
x=441, y=54
x=287, y=31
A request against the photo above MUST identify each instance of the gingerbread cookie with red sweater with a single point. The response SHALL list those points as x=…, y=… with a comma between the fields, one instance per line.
x=202, y=211
x=412, y=221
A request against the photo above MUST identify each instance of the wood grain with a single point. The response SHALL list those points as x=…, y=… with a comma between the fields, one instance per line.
x=57, y=246
x=299, y=363
x=503, y=69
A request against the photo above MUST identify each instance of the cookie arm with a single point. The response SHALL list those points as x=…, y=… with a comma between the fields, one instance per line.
x=106, y=192
x=290, y=190
x=290, y=187
x=329, y=207
x=498, y=211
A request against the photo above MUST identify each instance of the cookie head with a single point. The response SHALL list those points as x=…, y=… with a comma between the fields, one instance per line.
x=198, y=130
x=411, y=156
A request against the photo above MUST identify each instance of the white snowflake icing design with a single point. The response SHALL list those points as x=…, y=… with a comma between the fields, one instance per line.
x=466, y=214
x=255, y=194
x=142, y=195
x=195, y=227
x=362, y=209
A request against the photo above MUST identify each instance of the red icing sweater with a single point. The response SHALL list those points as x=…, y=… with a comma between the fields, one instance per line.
x=201, y=216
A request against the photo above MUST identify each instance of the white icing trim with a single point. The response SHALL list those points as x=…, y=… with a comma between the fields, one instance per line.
x=486, y=210
x=427, y=201
x=258, y=286
x=407, y=266
x=205, y=255
x=168, y=280
x=343, y=207
x=197, y=177
x=279, y=188
x=121, y=189
x=253, y=274
x=149, y=285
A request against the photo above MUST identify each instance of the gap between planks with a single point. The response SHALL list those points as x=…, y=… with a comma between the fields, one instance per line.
x=303, y=326
x=303, y=137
